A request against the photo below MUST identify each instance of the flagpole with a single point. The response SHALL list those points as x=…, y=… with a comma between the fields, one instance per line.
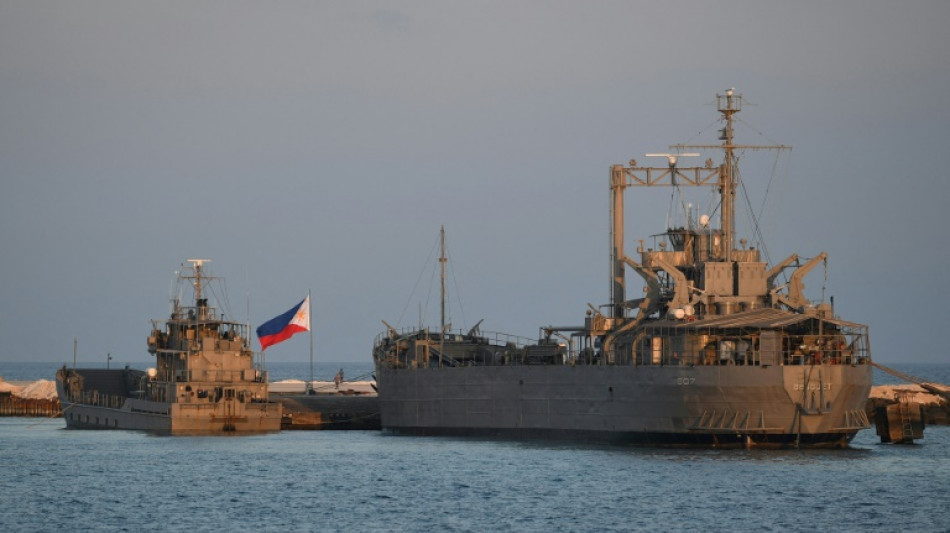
x=310, y=327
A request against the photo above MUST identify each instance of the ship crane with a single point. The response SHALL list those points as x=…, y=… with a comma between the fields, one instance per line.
x=723, y=177
x=796, y=287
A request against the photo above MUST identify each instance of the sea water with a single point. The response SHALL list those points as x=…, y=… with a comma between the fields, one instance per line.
x=55, y=479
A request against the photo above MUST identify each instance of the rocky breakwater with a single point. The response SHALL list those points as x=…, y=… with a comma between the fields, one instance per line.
x=932, y=398
x=28, y=398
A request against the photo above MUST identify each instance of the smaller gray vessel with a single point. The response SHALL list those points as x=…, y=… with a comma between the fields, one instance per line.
x=205, y=380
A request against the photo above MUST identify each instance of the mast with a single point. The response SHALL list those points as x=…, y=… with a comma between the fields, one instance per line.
x=729, y=105
x=442, y=261
x=196, y=266
x=724, y=177
x=310, y=327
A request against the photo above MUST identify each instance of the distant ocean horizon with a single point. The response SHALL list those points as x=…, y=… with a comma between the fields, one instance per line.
x=358, y=371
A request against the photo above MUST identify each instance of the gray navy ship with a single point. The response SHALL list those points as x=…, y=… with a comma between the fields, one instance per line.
x=205, y=380
x=721, y=350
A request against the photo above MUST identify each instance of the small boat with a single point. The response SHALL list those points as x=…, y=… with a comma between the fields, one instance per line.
x=205, y=380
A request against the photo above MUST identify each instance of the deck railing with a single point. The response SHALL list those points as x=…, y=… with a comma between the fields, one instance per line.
x=737, y=351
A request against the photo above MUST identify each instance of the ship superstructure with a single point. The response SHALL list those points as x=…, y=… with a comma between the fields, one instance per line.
x=205, y=378
x=721, y=349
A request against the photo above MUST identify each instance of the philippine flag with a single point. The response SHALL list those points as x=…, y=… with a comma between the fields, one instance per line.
x=281, y=328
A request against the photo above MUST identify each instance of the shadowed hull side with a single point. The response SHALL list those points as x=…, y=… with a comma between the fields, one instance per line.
x=730, y=406
x=125, y=413
x=645, y=439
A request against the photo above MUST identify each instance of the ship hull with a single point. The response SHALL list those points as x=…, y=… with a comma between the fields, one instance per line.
x=719, y=406
x=116, y=412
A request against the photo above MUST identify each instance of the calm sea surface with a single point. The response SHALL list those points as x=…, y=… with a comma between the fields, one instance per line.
x=58, y=480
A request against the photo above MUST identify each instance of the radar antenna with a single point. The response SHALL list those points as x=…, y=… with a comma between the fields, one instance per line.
x=671, y=158
x=196, y=265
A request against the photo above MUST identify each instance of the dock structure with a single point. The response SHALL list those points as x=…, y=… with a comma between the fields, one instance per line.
x=900, y=413
x=326, y=405
x=901, y=422
x=28, y=398
x=332, y=412
x=11, y=405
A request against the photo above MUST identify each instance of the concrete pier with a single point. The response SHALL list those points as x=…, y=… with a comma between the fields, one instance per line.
x=351, y=405
x=330, y=412
x=15, y=406
x=28, y=398
x=935, y=407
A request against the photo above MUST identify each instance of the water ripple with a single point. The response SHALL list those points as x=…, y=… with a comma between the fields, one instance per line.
x=63, y=480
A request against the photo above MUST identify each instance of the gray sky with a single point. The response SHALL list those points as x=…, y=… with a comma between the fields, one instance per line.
x=320, y=145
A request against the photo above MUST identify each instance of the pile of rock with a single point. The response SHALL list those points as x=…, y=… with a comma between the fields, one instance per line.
x=42, y=389
x=29, y=398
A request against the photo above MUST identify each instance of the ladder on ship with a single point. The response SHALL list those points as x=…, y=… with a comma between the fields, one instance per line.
x=907, y=430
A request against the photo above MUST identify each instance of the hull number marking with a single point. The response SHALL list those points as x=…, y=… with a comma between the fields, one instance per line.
x=813, y=386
